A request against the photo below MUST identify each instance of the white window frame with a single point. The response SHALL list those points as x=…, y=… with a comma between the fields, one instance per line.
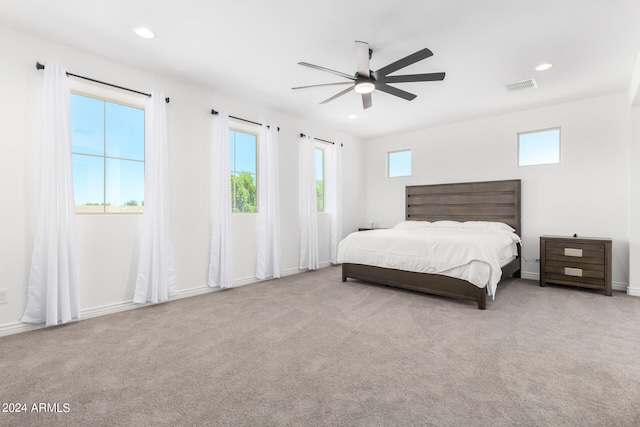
x=111, y=96
x=246, y=130
x=389, y=154
x=519, y=160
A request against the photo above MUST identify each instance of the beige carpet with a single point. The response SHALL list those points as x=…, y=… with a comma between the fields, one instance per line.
x=310, y=350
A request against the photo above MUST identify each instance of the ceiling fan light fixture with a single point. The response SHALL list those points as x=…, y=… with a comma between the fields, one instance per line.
x=366, y=86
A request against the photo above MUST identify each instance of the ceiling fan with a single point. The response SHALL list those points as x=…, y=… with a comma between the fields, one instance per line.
x=366, y=81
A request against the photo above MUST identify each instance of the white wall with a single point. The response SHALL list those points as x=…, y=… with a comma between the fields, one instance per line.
x=108, y=245
x=634, y=202
x=587, y=193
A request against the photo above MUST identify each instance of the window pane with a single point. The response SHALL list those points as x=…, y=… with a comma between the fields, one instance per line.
x=243, y=161
x=88, y=182
x=125, y=131
x=539, y=148
x=245, y=153
x=124, y=186
x=399, y=163
x=320, y=178
x=244, y=192
x=87, y=125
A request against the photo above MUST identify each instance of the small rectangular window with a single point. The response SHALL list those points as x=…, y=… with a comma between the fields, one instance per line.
x=539, y=147
x=399, y=163
x=320, y=178
x=107, y=146
x=243, y=151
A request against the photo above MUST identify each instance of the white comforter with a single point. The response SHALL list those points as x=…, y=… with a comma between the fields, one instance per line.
x=471, y=254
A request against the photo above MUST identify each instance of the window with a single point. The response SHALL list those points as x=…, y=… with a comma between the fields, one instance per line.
x=320, y=178
x=243, y=161
x=107, y=146
x=540, y=147
x=399, y=163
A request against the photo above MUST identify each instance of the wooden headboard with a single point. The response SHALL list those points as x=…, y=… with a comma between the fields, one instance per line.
x=467, y=201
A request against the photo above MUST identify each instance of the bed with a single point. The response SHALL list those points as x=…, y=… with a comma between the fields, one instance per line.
x=488, y=201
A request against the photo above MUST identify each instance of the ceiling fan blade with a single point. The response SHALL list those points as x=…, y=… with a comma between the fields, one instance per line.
x=404, y=62
x=328, y=70
x=323, y=84
x=347, y=90
x=414, y=78
x=395, y=91
x=362, y=58
x=366, y=100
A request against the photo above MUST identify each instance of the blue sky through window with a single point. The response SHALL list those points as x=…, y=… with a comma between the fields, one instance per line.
x=399, y=163
x=87, y=123
x=245, y=153
x=125, y=130
x=88, y=179
x=539, y=148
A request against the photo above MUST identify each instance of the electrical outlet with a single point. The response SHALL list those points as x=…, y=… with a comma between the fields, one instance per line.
x=4, y=296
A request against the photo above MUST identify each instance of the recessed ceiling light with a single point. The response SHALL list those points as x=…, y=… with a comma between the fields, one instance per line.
x=544, y=67
x=145, y=33
x=353, y=116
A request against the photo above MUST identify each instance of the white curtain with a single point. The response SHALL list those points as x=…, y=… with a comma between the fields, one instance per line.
x=308, y=205
x=156, y=279
x=334, y=197
x=53, y=293
x=221, y=262
x=269, y=262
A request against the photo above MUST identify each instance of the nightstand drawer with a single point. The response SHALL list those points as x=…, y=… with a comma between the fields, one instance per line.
x=588, y=253
x=575, y=272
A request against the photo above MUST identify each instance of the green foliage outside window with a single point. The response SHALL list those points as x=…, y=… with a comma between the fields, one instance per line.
x=243, y=189
x=319, y=159
x=320, y=194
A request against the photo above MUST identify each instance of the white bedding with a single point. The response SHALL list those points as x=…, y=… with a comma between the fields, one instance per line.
x=474, y=252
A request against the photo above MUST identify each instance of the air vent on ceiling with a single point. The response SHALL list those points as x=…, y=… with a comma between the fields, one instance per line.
x=522, y=85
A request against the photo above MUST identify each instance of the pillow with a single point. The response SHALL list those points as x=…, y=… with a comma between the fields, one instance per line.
x=446, y=224
x=486, y=226
x=412, y=225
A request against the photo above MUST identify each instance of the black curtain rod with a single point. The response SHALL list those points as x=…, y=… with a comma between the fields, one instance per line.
x=323, y=140
x=215, y=113
x=39, y=66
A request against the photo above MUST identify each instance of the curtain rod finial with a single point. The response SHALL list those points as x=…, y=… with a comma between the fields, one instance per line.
x=39, y=66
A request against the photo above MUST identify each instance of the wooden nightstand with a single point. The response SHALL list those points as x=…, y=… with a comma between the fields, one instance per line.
x=576, y=261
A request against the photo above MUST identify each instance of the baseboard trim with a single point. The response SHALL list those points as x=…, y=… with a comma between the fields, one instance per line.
x=633, y=292
x=530, y=276
x=104, y=310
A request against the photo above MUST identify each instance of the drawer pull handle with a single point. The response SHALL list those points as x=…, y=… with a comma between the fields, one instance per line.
x=577, y=272
x=572, y=252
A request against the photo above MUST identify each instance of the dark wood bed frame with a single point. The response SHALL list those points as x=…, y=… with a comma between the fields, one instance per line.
x=469, y=201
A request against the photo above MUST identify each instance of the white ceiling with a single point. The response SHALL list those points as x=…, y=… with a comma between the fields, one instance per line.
x=250, y=49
